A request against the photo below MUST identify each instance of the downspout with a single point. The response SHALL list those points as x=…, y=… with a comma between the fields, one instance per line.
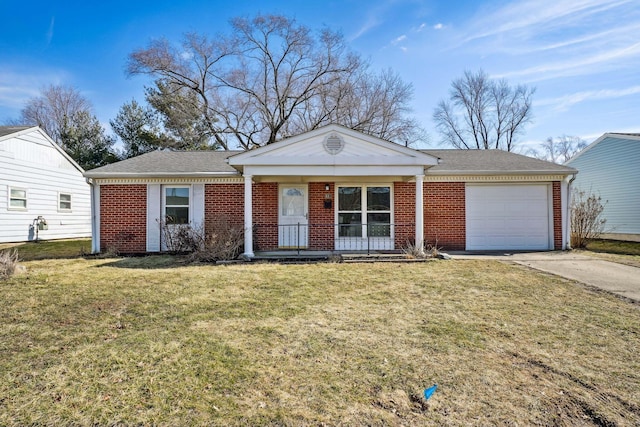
x=95, y=239
x=568, y=224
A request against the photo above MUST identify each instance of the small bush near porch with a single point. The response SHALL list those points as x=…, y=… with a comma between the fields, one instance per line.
x=143, y=341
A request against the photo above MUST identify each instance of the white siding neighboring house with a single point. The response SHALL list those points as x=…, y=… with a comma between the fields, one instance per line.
x=38, y=179
x=610, y=167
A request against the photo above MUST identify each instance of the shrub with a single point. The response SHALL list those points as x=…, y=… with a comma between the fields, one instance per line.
x=586, y=220
x=413, y=251
x=8, y=263
x=219, y=240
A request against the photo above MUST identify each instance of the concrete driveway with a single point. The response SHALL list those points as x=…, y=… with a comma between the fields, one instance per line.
x=617, y=278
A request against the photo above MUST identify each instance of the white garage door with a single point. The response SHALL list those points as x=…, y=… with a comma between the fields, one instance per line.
x=512, y=217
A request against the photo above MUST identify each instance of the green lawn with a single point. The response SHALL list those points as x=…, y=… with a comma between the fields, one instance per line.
x=50, y=249
x=146, y=341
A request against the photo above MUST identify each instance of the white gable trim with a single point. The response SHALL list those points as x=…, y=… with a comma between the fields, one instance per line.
x=307, y=155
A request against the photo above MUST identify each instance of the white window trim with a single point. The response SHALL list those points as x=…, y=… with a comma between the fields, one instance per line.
x=61, y=209
x=164, y=201
x=364, y=211
x=26, y=199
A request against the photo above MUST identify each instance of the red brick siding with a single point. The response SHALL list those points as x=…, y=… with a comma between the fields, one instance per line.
x=224, y=202
x=557, y=216
x=404, y=212
x=444, y=215
x=123, y=218
x=265, y=215
x=321, y=219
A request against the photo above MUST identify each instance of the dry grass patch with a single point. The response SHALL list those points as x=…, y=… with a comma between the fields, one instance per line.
x=145, y=341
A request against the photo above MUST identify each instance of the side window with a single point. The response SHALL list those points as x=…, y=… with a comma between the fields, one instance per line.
x=17, y=199
x=64, y=202
x=176, y=205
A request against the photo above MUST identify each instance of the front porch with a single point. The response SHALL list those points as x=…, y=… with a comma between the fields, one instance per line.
x=312, y=238
x=337, y=190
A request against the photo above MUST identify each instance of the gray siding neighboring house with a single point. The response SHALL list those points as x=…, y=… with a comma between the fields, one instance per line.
x=38, y=179
x=610, y=167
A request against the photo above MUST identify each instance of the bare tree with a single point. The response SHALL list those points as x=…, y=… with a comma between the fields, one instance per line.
x=271, y=78
x=560, y=149
x=587, y=222
x=53, y=108
x=482, y=113
x=65, y=115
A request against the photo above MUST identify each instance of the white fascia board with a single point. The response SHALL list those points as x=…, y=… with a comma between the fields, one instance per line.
x=334, y=170
x=486, y=173
x=102, y=175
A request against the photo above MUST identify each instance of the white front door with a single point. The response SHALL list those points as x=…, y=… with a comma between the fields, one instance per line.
x=293, y=228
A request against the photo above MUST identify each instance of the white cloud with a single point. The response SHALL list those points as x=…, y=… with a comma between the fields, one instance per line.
x=438, y=26
x=564, y=102
x=529, y=18
x=49, y=35
x=399, y=39
x=577, y=66
x=17, y=86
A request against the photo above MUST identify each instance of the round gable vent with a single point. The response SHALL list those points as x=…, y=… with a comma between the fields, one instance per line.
x=333, y=144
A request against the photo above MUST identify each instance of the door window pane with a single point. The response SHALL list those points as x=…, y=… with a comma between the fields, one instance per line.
x=292, y=202
x=379, y=198
x=379, y=224
x=350, y=225
x=349, y=198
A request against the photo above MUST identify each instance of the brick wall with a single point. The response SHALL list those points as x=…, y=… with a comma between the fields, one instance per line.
x=224, y=202
x=123, y=218
x=557, y=216
x=404, y=211
x=265, y=215
x=321, y=219
x=444, y=215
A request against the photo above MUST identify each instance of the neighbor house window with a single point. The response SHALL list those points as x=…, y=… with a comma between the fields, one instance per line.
x=64, y=201
x=364, y=211
x=17, y=198
x=176, y=205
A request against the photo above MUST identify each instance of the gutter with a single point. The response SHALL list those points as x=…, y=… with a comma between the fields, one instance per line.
x=568, y=224
x=506, y=172
x=102, y=175
x=95, y=237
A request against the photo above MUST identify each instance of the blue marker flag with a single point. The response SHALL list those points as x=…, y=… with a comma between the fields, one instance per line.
x=429, y=391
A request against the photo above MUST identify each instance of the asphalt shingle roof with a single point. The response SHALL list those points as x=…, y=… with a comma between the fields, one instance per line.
x=490, y=161
x=8, y=130
x=206, y=163
x=162, y=163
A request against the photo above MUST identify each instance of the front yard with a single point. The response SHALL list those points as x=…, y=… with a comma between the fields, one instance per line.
x=145, y=341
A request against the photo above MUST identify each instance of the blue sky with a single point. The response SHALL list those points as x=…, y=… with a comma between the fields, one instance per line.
x=582, y=56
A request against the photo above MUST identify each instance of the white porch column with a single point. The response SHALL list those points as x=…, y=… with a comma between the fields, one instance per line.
x=419, y=212
x=248, y=217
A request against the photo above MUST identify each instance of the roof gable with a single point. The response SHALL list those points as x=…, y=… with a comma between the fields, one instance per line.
x=332, y=145
x=41, y=137
x=633, y=138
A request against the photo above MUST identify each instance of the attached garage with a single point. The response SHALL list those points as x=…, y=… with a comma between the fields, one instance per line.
x=509, y=217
